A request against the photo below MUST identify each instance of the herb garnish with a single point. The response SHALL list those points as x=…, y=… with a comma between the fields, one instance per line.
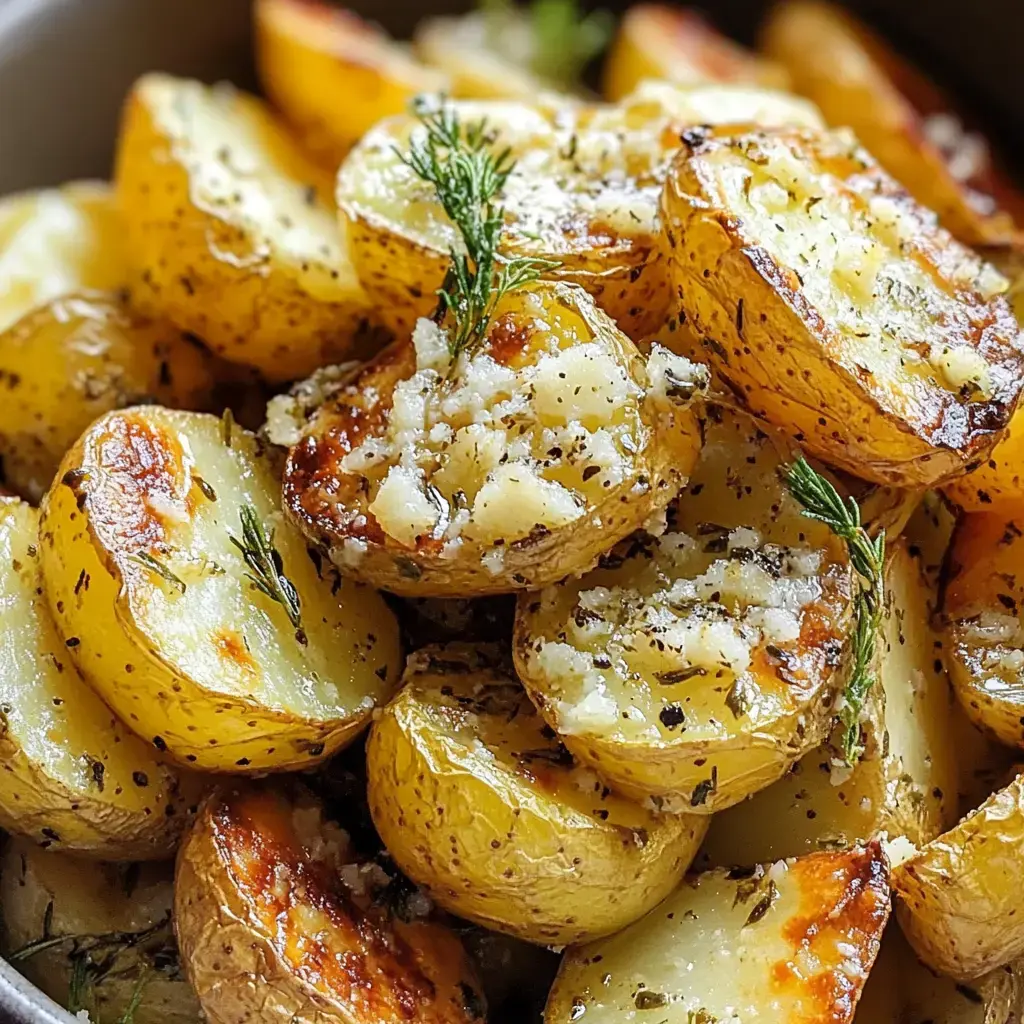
x=160, y=569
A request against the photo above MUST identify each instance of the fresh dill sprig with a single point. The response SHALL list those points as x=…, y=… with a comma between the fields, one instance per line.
x=468, y=175
x=821, y=501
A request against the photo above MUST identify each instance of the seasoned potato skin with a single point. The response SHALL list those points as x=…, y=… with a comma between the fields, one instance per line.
x=268, y=931
x=997, y=484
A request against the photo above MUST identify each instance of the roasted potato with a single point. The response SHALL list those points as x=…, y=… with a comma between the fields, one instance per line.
x=696, y=666
x=679, y=44
x=56, y=241
x=959, y=899
x=910, y=125
x=831, y=305
x=278, y=919
x=997, y=484
x=230, y=230
x=478, y=804
x=74, y=359
x=507, y=466
x=334, y=75
x=584, y=193
x=194, y=610
x=929, y=531
x=791, y=942
x=110, y=923
x=72, y=777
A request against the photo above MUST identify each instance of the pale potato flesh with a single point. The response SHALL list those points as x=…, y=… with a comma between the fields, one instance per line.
x=168, y=624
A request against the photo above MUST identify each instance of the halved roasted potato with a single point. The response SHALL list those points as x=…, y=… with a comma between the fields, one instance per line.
x=506, y=466
x=110, y=923
x=56, y=241
x=478, y=802
x=910, y=125
x=231, y=232
x=701, y=658
x=72, y=777
x=831, y=305
x=279, y=919
x=584, y=192
x=997, y=484
x=959, y=898
x=792, y=941
x=334, y=75
x=679, y=44
x=194, y=610
x=75, y=358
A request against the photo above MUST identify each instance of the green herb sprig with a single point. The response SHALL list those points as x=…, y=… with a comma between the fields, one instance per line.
x=822, y=502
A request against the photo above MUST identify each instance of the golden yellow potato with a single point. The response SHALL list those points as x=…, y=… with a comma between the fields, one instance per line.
x=230, y=230
x=476, y=803
x=73, y=777
x=507, y=467
x=279, y=919
x=701, y=658
x=830, y=304
x=162, y=545
x=113, y=923
x=789, y=942
x=56, y=241
x=928, y=532
x=997, y=484
x=334, y=75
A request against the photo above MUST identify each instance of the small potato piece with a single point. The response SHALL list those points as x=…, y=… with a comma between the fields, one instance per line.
x=832, y=306
x=231, y=232
x=70, y=361
x=695, y=667
x=679, y=44
x=278, y=919
x=332, y=74
x=173, y=627
x=57, y=241
x=72, y=777
x=959, y=899
x=792, y=942
x=584, y=192
x=997, y=485
x=118, y=915
x=458, y=755
x=512, y=466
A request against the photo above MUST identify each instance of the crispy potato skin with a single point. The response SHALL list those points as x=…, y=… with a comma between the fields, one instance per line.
x=443, y=809
x=997, y=484
x=783, y=315
x=270, y=932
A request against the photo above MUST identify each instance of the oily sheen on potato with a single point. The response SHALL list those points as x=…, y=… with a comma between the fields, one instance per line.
x=173, y=623
x=478, y=803
x=831, y=305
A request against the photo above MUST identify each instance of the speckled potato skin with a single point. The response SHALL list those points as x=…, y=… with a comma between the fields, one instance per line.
x=997, y=483
x=509, y=841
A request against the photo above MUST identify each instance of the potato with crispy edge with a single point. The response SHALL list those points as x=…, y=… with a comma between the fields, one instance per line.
x=230, y=230
x=506, y=467
x=793, y=942
x=831, y=305
x=230, y=660
x=477, y=804
x=279, y=919
x=695, y=666
x=72, y=777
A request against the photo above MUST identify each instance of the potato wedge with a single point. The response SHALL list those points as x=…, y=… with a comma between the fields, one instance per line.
x=575, y=196
x=830, y=305
x=959, y=899
x=791, y=942
x=75, y=358
x=509, y=467
x=334, y=75
x=695, y=667
x=173, y=624
x=680, y=45
x=114, y=921
x=910, y=125
x=278, y=919
x=230, y=230
x=997, y=484
x=460, y=754
x=56, y=241
x=72, y=777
